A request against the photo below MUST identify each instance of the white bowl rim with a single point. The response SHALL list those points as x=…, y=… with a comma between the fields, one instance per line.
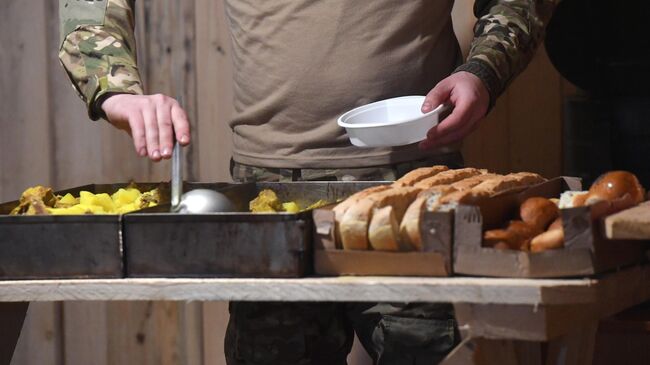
x=363, y=108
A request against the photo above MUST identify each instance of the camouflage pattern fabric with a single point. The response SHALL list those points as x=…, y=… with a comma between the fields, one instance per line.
x=274, y=333
x=261, y=333
x=246, y=173
x=506, y=36
x=98, y=50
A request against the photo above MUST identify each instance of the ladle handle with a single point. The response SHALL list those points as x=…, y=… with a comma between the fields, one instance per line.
x=177, y=176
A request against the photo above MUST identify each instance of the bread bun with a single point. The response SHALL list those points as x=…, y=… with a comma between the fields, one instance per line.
x=615, y=185
x=517, y=236
x=522, y=233
x=496, y=236
x=579, y=199
x=501, y=246
x=557, y=224
x=538, y=212
x=570, y=199
x=548, y=240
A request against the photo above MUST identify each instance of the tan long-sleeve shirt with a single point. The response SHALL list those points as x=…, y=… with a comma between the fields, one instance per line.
x=299, y=64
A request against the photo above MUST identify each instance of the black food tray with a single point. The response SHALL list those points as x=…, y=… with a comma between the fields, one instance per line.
x=238, y=244
x=62, y=247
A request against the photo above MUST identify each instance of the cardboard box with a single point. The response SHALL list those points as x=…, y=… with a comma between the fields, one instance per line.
x=586, y=251
x=434, y=260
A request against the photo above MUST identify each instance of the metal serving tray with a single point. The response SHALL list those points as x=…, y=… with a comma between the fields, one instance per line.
x=239, y=244
x=57, y=247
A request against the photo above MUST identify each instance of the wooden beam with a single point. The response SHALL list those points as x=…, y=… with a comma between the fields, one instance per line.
x=633, y=223
x=614, y=293
x=615, y=290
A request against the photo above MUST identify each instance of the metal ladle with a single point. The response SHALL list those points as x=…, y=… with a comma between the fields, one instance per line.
x=197, y=201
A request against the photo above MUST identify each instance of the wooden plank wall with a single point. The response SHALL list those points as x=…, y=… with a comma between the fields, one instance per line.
x=45, y=138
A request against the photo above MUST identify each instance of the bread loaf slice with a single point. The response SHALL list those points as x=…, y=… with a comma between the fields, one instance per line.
x=516, y=181
x=412, y=177
x=383, y=232
x=429, y=200
x=340, y=209
x=448, y=177
x=461, y=191
x=471, y=182
x=356, y=220
x=409, y=228
x=489, y=188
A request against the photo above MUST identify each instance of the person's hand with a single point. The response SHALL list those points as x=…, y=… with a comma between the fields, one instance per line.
x=151, y=120
x=470, y=99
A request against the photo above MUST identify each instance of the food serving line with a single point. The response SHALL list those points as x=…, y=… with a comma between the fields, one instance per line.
x=518, y=307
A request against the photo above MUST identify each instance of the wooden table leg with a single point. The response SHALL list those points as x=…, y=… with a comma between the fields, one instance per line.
x=574, y=348
x=12, y=316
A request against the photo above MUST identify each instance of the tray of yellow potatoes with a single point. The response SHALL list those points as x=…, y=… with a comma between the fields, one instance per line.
x=75, y=233
x=268, y=235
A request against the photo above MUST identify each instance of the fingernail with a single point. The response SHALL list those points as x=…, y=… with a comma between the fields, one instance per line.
x=426, y=107
x=155, y=154
x=185, y=138
x=142, y=152
x=166, y=152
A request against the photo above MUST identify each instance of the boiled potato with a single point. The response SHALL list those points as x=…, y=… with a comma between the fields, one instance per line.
x=40, y=201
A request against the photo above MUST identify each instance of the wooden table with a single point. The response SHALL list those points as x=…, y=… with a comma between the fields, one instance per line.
x=513, y=321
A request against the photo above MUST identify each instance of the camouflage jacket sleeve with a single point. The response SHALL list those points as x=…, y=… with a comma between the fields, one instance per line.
x=98, y=49
x=506, y=36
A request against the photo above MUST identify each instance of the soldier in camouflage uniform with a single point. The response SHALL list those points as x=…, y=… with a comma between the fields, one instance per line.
x=98, y=53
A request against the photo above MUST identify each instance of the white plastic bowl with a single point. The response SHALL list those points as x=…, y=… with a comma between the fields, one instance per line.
x=391, y=122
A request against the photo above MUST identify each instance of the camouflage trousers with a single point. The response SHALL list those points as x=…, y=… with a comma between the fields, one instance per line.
x=290, y=333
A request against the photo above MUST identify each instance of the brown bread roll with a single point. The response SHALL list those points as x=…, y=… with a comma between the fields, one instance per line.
x=522, y=233
x=557, y=224
x=615, y=185
x=570, y=199
x=517, y=236
x=612, y=192
x=538, y=212
x=501, y=246
x=496, y=236
x=549, y=240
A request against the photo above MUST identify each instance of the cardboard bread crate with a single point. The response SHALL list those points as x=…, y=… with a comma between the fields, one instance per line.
x=586, y=251
x=434, y=260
